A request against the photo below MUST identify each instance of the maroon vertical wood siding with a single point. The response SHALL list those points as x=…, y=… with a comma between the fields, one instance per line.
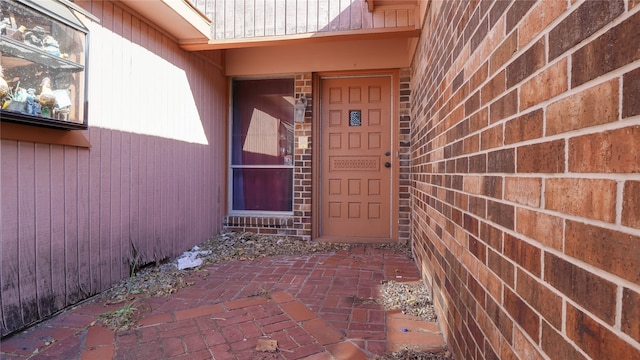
x=71, y=217
x=260, y=18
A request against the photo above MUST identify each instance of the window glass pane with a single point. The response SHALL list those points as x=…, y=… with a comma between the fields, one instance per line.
x=263, y=189
x=262, y=131
x=42, y=62
x=355, y=118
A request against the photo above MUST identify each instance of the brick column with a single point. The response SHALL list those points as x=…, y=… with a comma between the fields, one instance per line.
x=302, y=161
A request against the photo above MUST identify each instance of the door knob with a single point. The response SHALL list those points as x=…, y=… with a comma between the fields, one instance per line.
x=387, y=164
x=387, y=153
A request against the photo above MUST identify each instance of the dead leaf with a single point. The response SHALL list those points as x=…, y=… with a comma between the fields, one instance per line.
x=267, y=345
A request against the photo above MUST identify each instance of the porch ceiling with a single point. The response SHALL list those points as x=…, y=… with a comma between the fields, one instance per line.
x=358, y=49
x=313, y=52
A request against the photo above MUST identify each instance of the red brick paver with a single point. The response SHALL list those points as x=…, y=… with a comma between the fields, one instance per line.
x=315, y=306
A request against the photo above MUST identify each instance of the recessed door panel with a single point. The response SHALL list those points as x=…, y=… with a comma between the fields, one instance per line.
x=361, y=208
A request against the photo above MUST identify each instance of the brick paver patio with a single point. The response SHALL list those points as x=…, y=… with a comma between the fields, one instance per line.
x=315, y=306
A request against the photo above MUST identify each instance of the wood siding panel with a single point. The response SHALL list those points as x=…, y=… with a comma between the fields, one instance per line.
x=257, y=18
x=334, y=15
x=390, y=19
x=301, y=18
x=85, y=254
x=70, y=171
x=219, y=14
x=356, y=15
x=323, y=15
x=9, y=273
x=345, y=14
x=42, y=189
x=402, y=18
x=279, y=17
x=249, y=17
x=71, y=217
x=58, y=275
x=269, y=18
x=379, y=18
x=94, y=211
x=26, y=231
x=312, y=17
x=105, y=210
x=238, y=18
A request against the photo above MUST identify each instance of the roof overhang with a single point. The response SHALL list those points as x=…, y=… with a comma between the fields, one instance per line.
x=309, y=38
x=177, y=18
x=372, y=48
x=345, y=55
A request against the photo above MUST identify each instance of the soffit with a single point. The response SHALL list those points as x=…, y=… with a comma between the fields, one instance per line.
x=346, y=55
x=373, y=4
x=176, y=17
x=400, y=33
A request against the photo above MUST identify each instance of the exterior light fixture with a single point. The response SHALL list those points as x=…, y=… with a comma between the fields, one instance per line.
x=299, y=109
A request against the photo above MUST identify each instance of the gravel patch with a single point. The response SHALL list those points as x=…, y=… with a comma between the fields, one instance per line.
x=411, y=298
x=413, y=355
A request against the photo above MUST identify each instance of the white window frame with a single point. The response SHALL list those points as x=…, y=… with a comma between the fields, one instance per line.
x=266, y=213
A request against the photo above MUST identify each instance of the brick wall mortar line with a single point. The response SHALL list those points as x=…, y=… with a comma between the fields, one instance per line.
x=563, y=330
x=600, y=272
x=545, y=31
x=570, y=89
x=569, y=92
x=619, y=201
x=563, y=325
x=564, y=231
x=618, y=320
x=536, y=244
x=620, y=96
x=452, y=72
x=616, y=73
x=616, y=328
x=567, y=156
x=611, y=226
x=626, y=14
x=596, y=129
x=583, y=265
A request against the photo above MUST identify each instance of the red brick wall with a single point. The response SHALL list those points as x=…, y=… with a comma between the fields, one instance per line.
x=404, y=183
x=525, y=185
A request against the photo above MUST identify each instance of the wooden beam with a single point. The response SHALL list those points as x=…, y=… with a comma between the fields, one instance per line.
x=368, y=34
x=22, y=132
x=371, y=5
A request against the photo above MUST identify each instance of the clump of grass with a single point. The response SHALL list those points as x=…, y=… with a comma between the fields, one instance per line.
x=120, y=319
x=262, y=291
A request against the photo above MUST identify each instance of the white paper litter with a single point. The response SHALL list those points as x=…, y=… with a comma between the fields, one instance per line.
x=189, y=259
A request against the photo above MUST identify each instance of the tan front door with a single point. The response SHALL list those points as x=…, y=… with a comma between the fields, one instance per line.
x=356, y=158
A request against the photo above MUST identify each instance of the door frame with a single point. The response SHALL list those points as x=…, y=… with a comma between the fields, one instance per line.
x=316, y=210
